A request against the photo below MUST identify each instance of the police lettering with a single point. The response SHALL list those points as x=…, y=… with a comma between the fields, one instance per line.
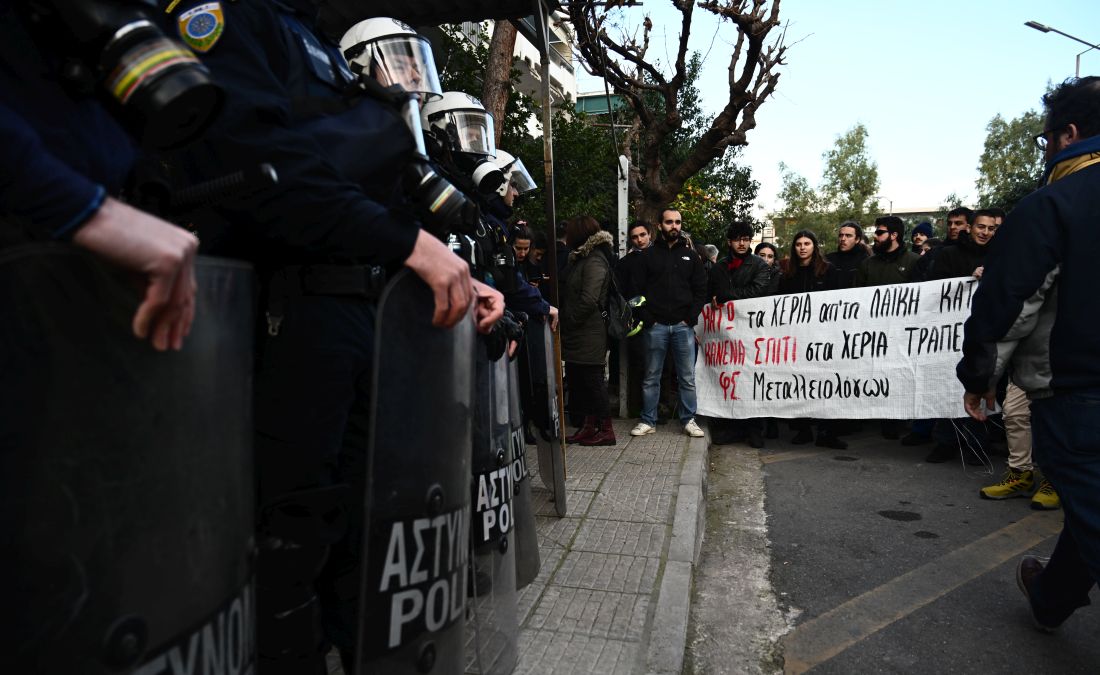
x=222, y=646
x=493, y=504
x=424, y=570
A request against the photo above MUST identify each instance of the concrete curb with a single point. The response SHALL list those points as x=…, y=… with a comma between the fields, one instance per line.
x=668, y=636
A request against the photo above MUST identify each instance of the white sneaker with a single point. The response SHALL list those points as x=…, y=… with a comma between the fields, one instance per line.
x=692, y=429
x=642, y=429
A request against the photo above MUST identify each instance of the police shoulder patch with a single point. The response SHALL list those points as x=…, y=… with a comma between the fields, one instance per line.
x=202, y=25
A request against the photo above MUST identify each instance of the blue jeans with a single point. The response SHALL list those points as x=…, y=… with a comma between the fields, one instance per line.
x=659, y=340
x=1066, y=446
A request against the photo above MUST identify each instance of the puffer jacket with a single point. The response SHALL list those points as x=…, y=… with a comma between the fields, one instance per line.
x=583, y=299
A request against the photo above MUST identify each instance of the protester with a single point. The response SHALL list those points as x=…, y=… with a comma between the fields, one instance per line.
x=891, y=263
x=1037, y=308
x=920, y=234
x=769, y=253
x=674, y=282
x=807, y=271
x=584, y=328
x=849, y=253
x=738, y=276
x=964, y=259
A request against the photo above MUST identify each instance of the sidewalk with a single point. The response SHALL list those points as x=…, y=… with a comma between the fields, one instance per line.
x=614, y=588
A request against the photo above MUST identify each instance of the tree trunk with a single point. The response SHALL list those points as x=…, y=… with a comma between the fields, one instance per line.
x=498, y=83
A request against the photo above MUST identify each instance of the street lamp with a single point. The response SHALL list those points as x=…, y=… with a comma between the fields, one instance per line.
x=890, y=201
x=1048, y=29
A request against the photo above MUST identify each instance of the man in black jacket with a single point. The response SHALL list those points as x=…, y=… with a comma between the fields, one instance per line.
x=671, y=276
x=849, y=253
x=737, y=276
x=1036, y=309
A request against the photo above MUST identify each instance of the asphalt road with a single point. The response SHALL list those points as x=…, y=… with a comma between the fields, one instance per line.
x=879, y=563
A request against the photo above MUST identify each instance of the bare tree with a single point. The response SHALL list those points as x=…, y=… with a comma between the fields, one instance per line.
x=653, y=96
x=497, y=85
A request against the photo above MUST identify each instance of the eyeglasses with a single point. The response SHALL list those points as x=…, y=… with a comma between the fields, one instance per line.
x=879, y=233
x=1041, y=138
x=741, y=240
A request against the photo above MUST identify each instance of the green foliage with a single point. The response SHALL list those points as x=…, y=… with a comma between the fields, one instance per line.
x=849, y=183
x=462, y=67
x=716, y=196
x=850, y=179
x=1011, y=164
x=585, y=173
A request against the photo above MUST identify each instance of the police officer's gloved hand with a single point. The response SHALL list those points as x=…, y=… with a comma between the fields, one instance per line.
x=506, y=330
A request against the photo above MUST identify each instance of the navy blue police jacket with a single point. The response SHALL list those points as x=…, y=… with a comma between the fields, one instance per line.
x=290, y=102
x=63, y=152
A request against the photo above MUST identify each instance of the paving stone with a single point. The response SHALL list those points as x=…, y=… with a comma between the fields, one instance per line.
x=547, y=652
x=605, y=614
x=616, y=536
x=587, y=481
x=617, y=483
x=556, y=531
x=607, y=572
x=633, y=504
x=529, y=596
x=577, y=502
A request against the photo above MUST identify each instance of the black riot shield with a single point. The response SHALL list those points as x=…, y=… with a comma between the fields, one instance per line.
x=418, y=513
x=126, y=499
x=523, y=514
x=491, y=640
x=545, y=413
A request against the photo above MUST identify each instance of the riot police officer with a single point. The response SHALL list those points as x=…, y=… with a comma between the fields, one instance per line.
x=65, y=161
x=324, y=242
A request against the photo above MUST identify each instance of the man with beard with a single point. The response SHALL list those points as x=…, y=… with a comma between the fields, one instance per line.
x=891, y=263
x=848, y=254
x=964, y=259
x=737, y=276
x=672, y=278
x=1036, y=309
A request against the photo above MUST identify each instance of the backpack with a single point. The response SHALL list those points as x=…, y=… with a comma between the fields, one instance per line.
x=617, y=312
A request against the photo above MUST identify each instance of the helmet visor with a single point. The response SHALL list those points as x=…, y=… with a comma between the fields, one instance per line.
x=470, y=130
x=405, y=61
x=520, y=178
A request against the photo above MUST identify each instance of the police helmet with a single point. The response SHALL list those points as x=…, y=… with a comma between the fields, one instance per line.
x=466, y=123
x=515, y=173
x=391, y=52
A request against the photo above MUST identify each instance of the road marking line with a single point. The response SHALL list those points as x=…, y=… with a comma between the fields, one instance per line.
x=825, y=636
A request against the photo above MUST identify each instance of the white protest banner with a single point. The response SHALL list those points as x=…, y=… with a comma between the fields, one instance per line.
x=882, y=352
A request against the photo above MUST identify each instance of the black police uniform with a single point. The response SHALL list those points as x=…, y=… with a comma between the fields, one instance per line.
x=63, y=154
x=321, y=238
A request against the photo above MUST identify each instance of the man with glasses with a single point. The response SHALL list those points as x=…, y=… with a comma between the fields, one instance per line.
x=671, y=276
x=892, y=263
x=737, y=276
x=1037, y=309
x=849, y=253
